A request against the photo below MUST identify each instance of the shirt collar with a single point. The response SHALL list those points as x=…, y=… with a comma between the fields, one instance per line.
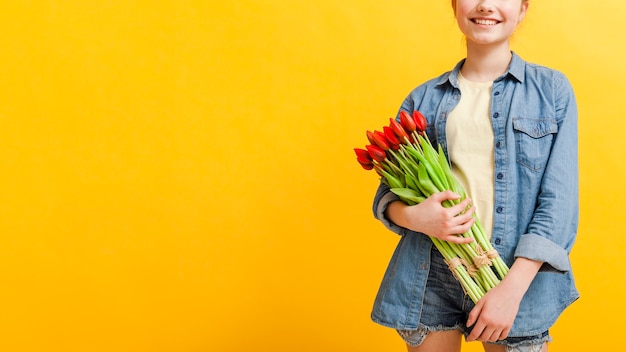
x=516, y=70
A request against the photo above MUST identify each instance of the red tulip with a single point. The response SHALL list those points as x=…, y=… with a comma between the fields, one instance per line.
x=393, y=140
x=420, y=121
x=366, y=166
x=380, y=140
x=376, y=152
x=407, y=121
x=363, y=156
x=397, y=128
x=370, y=137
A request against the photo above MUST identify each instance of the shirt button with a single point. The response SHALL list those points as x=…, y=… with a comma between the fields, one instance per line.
x=499, y=210
x=497, y=241
x=498, y=144
x=496, y=115
x=496, y=93
x=500, y=176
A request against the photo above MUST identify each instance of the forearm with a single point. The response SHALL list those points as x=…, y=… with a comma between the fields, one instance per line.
x=382, y=199
x=397, y=214
x=520, y=276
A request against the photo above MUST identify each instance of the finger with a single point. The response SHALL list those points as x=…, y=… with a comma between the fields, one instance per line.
x=486, y=335
x=493, y=336
x=462, y=218
x=474, y=313
x=462, y=207
x=456, y=239
x=445, y=195
x=504, y=334
x=476, y=332
x=463, y=227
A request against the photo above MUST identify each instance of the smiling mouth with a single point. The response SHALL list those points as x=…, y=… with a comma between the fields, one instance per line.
x=484, y=22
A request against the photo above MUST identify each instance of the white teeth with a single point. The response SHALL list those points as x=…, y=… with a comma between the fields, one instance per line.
x=486, y=22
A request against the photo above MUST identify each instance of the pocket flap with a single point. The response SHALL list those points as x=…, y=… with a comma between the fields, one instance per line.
x=535, y=128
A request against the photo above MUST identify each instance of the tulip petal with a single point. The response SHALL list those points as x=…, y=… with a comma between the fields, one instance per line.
x=377, y=153
x=407, y=121
x=420, y=121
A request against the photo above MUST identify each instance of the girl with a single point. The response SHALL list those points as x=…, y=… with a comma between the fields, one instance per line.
x=509, y=129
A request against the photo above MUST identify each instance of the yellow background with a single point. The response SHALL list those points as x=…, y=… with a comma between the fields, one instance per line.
x=179, y=175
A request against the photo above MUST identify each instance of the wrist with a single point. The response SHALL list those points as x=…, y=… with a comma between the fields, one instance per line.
x=521, y=275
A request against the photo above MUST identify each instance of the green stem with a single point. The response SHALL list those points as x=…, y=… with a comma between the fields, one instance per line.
x=394, y=167
x=469, y=285
x=498, y=262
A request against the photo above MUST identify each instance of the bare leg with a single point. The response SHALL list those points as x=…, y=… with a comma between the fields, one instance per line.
x=439, y=341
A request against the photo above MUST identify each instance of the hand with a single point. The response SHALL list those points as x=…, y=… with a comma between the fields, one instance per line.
x=494, y=314
x=432, y=218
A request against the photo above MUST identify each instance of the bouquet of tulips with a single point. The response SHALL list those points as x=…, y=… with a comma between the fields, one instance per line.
x=413, y=169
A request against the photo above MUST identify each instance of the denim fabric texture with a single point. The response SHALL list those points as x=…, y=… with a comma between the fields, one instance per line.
x=534, y=118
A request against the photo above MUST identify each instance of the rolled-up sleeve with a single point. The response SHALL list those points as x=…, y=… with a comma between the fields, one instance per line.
x=555, y=257
x=382, y=199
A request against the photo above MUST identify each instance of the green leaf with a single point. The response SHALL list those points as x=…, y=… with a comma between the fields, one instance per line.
x=393, y=182
x=407, y=193
x=412, y=183
x=453, y=183
x=428, y=188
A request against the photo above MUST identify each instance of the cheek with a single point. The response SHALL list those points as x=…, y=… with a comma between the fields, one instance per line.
x=462, y=15
x=463, y=9
x=461, y=12
x=514, y=11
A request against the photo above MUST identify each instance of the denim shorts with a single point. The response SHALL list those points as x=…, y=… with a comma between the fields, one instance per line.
x=446, y=307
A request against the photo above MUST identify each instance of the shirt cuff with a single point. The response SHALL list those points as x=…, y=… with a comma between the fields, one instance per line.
x=534, y=247
x=383, y=203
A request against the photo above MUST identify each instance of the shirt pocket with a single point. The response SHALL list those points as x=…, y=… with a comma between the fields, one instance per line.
x=533, y=141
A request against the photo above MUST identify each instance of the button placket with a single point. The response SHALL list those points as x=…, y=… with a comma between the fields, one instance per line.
x=495, y=113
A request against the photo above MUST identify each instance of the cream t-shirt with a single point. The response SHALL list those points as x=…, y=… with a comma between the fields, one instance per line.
x=470, y=147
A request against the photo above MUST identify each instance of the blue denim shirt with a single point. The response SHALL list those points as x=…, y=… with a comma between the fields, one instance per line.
x=534, y=119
